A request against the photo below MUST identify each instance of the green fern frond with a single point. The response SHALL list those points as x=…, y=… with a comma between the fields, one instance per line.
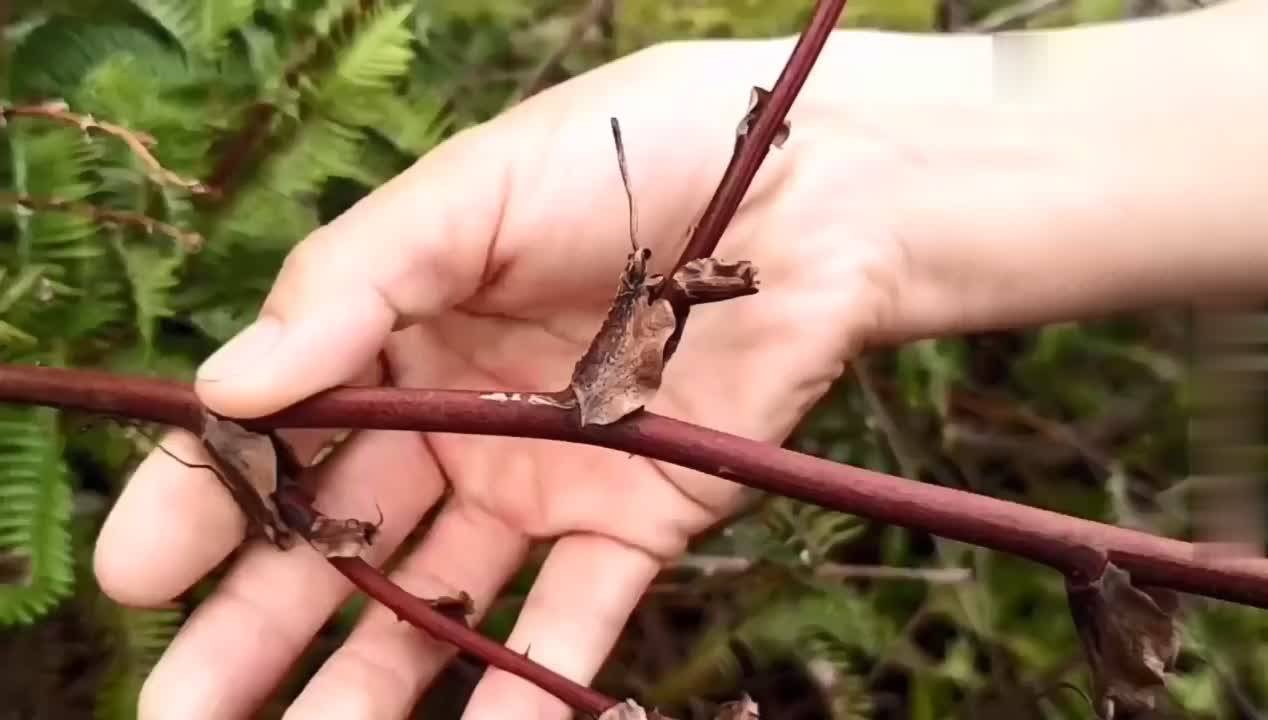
x=152, y=274
x=278, y=201
x=12, y=292
x=35, y=512
x=809, y=530
x=55, y=163
x=143, y=635
x=199, y=26
x=56, y=56
x=414, y=124
x=377, y=53
x=796, y=621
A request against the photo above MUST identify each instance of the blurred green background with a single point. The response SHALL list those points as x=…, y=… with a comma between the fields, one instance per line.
x=299, y=107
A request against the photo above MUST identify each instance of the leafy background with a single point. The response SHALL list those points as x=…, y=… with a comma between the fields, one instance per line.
x=293, y=109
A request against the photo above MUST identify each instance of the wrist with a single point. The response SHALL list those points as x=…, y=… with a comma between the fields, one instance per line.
x=1022, y=215
x=1099, y=184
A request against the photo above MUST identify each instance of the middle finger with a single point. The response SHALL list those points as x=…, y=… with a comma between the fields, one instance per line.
x=240, y=642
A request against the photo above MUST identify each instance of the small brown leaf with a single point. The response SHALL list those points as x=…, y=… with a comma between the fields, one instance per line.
x=706, y=280
x=340, y=538
x=1130, y=638
x=756, y=104
x=329, y=536
x=456, y=608
x=630, y=710
x=620, y=371
x=248, y=470
x=250, y=454
x=742, y=709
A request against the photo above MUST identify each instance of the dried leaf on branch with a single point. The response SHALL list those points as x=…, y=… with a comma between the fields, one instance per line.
x=757, y=104
x=248, y=469
x=621, y=370
x=742, y=709
x=274, y=504
x=1130, y=637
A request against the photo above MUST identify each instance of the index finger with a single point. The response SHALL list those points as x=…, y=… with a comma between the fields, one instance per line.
x=414, y=247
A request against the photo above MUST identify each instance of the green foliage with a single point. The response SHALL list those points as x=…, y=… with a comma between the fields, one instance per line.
x=35, y=509
x=296, y=108
x=142, y=635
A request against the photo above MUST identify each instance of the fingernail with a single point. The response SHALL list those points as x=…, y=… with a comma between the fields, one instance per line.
x=246, y=349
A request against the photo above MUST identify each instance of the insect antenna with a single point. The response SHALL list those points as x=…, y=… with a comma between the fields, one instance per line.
x=625, y=181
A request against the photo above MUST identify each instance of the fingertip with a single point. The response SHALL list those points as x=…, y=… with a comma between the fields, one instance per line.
x=170, y=525
x=328, y=345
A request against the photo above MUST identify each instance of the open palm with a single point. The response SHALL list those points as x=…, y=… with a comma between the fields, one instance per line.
x=489, y=265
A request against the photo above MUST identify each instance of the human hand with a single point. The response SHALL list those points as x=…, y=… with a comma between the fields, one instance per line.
x=489, y=265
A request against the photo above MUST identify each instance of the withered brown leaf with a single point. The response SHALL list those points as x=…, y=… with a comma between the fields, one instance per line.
x=248, y=470
x=340, y=538
x=757, y=102
x=620, y=371
x=742, y=709
x=707, y=280
x=329, y=536
x=1130, y=637
x=454, y=607
x=630, y=710
x=259, y=471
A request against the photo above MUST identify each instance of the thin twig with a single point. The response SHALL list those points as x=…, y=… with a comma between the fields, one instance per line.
x=139, y=143
x=1072, y=545
x=105, y=216
x=1014, y=16
x=423, y=615
x=537, y=81
x=911, y=458
x=715, y=564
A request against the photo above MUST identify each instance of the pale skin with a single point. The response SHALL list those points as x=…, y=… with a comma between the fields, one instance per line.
x=916, y=196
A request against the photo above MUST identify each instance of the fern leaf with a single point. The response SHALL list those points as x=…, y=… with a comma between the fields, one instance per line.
x=55, y=163
x=152, y=274
x=219, y=17
x=178, y=17
x=57, y=55
x=35, y=513
x=414, y=125
x=199, y=26
x=278, y=199
x=143, y=635
x=380, y=51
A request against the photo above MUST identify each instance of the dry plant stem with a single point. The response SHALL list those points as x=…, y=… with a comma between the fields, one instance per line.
x=1074, y=546
x=756, y=143
x=105, y=216
x=591, y=16
x=422, y=615
x=139, y=143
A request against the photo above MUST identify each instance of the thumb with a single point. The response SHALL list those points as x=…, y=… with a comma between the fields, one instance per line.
x=412, y=248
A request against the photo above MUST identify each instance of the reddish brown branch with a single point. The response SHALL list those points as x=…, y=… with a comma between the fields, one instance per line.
x=421, y=614
x=753, y=146
x=1071, y=545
